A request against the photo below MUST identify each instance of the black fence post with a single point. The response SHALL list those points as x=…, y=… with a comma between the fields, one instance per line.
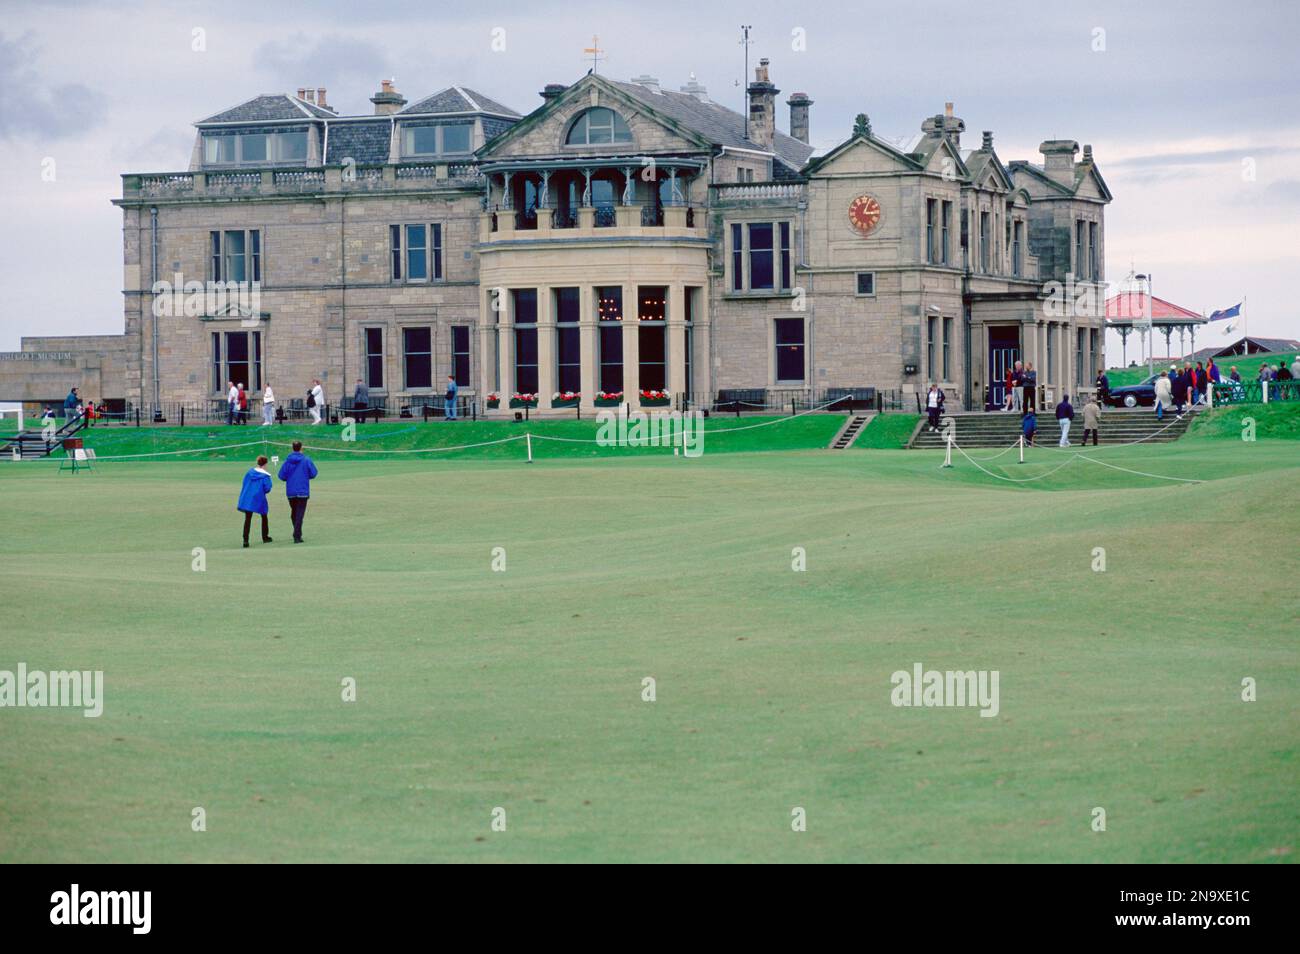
x=182, y=415
x=137, y=417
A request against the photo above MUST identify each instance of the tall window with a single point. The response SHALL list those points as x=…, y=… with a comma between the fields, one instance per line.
x=947, y=349
x=416, y=252
x=1079, y=379
x=760, y=255
x=653, y=356
x=945, y=241
x=931, y=214
x=1093, y=271
x=985, y=244
x=931, y=330
x=598, y=126
x=610, y=339
x=765, y=247
x=237, y=357
x=218, y=380
x=526, y=358
x=1017, y=264
x=789, y=350
x=235, y=255
x=568, y=355
x=965, y=238
x=1079, y=262
x=1050, y=370
x=737, y=258
x=460, y=354
x=375, y=358
x=417, y=355
x=785, y=254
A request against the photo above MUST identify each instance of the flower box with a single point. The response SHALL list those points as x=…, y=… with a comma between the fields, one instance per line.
x=655, y=398
x=493, y=402
x=565, y=399
x=609, y=399
x=523, y=400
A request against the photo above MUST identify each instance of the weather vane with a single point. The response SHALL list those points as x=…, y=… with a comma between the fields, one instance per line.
x=595, y=51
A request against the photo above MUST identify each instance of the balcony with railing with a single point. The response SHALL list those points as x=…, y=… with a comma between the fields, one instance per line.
x=182, y=186
x=601, y=221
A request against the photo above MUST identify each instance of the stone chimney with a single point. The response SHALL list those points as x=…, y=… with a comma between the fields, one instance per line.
x=693, y=88
x=649, y=82
x=320, y=97
x=987, y=144
x=302, y=92
x=1087, y=153
x=1058, y=159
x=388, y=100
x=944, y=125
x=761, y=126
x=799, y=103
x=552, y=91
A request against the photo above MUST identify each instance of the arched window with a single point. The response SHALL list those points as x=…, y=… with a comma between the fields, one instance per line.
x=598, y=126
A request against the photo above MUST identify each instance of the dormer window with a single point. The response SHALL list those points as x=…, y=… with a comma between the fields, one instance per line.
x=451, y=139
x=252, y=148
x=598, y=126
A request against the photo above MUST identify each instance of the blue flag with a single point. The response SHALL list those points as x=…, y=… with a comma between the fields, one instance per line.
x=1232, y=312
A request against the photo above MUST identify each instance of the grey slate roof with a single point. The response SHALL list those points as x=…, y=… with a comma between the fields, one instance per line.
x=715, y=123
x=457, y=99
x=269, y=107
x=366, y=142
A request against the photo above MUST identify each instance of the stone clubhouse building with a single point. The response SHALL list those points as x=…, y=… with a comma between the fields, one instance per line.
x=622, y=237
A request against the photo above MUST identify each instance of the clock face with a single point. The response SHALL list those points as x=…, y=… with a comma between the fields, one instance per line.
x=864, y=213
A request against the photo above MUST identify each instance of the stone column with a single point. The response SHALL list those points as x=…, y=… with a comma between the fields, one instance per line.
x=676, y=340
x=590, y=381
x=506, y=331
x=486, y=351
x=631, y=346
x=545, y=347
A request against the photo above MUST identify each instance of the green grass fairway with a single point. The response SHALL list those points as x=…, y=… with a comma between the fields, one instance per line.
x=522, y=689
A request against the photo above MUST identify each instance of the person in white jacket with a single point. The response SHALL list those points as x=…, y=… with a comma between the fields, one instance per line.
x=268, y=405
x=318, y=400
x=1164, y=394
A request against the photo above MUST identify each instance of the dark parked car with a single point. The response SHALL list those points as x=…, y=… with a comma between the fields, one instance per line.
x=1142, y=394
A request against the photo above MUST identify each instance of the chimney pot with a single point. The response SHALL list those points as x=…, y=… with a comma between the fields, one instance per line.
x=320, y=96
x=947, y=109
x=302, y=92
x=388, y=100
x=799, y=103
x=988, y=140
x=552, y=91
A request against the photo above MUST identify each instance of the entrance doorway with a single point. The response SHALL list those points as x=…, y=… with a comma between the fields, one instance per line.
x=1004, y=352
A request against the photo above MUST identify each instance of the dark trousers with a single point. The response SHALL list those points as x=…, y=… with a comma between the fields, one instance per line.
x=297, y=510
x=248, y=522
x=1086, y=432
x=934, y=416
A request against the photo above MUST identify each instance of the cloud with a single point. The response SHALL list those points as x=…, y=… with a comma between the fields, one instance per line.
x=30, y=107
x=332, y=60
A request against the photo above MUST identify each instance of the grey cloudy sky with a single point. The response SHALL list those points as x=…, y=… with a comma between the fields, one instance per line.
x=1182, y=94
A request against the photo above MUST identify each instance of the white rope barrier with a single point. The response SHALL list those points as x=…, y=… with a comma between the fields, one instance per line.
x=1069, y=460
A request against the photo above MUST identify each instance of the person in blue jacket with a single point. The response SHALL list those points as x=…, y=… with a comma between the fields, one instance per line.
x=252, y=498
x=297, y=472
x=1029, y=425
